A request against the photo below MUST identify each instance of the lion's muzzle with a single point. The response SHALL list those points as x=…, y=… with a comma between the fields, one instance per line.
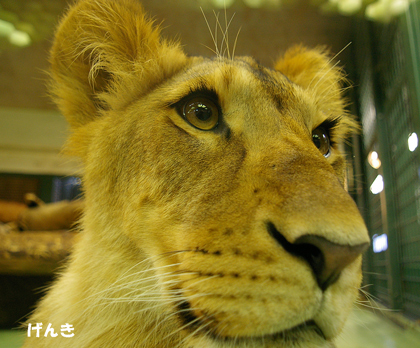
x=327, y=259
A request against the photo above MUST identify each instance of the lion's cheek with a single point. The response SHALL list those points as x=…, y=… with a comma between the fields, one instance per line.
x=238, y=298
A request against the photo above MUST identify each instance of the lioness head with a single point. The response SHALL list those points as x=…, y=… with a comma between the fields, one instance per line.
x=216, y=213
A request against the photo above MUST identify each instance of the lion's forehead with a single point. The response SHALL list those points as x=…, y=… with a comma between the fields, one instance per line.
x=248, y=85
x=238, y=72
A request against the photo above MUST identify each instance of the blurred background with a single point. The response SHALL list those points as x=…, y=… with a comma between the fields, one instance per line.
x=382, y=59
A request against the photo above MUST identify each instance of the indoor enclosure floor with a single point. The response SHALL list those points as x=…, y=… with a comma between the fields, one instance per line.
x=365, y=329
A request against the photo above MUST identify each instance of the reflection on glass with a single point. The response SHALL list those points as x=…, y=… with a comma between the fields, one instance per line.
x=379, y=243
x=413, y=142
x=377, y=185
x=373, y=159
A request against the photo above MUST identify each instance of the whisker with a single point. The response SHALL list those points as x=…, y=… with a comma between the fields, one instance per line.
x=328, y=63
x=216, y=29
x=212, y=50
x=211, y=33
x=341, y=51
x=234, y=44
x=322, y=77
x=200, y=328
x=327, y=91
x=136, y=265
x=146, y=271
x=191, y=323
x=116, y=287
x=373, y=302
x=200, y=281
x=225, y=33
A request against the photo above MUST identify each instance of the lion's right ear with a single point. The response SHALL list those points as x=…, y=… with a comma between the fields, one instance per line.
x=105, y=54
x=313, y=70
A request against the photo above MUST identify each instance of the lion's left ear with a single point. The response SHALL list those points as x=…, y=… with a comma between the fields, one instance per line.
x=313, y=70
x=107, y=53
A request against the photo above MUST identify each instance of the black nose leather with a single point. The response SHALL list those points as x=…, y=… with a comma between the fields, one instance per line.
x=327, y=259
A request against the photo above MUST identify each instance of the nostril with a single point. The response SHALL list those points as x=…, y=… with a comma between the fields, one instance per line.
x=334, y=257
x=312, y=255
x=327, y=259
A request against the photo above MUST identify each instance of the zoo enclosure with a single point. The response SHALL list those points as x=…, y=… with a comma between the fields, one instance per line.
x=387, y=75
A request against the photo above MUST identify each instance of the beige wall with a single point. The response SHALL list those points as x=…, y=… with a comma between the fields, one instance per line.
x=31, y=141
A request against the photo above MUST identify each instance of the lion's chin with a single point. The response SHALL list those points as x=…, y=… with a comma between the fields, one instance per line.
x=307, y=334
x=293, y=334
x=308, y=331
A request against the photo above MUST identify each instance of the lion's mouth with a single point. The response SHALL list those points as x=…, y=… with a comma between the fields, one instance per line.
x=309, y=325
x=196, y=324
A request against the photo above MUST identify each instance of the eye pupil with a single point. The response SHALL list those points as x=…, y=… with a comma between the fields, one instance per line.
x=202, y=113
x=321, y=140
x=316, y=140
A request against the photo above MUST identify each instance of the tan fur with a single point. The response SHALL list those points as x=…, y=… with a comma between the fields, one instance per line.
x=175, y=250
x=9, y=210
x=53, y=216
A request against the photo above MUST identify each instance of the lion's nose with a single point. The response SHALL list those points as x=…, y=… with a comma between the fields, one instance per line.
x=327, y=259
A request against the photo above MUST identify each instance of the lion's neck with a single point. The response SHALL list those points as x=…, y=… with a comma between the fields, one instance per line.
x=110, y=287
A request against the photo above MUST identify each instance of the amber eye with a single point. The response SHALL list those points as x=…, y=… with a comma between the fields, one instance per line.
x=202, y=113
x=322, y=141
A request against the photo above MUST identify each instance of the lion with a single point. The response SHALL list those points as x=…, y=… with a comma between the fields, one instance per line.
x=216, y=214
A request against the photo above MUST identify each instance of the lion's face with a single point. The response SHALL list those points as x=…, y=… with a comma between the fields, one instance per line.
x=224, y=169
x=227, y=175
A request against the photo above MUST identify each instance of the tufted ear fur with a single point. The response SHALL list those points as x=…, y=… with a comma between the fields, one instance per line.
x=105, y=54
x=313, y=70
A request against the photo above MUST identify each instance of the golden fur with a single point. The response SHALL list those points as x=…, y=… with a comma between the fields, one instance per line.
x=49, y=217
x=199, y=238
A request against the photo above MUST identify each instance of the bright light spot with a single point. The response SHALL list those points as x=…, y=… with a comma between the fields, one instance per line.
x=384, y=10
x=397, y=7
x=374, y=155
x=19, y=38
x=413, y=142
x=6, y=28
x=377, y=185
x=273, y=3
x=349, y=7
x=254, y=3
x=374, y=160
x=380, y=243
x=223, y=3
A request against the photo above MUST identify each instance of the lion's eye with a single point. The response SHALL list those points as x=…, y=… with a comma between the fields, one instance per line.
x=202, y=113
x=322, y=141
